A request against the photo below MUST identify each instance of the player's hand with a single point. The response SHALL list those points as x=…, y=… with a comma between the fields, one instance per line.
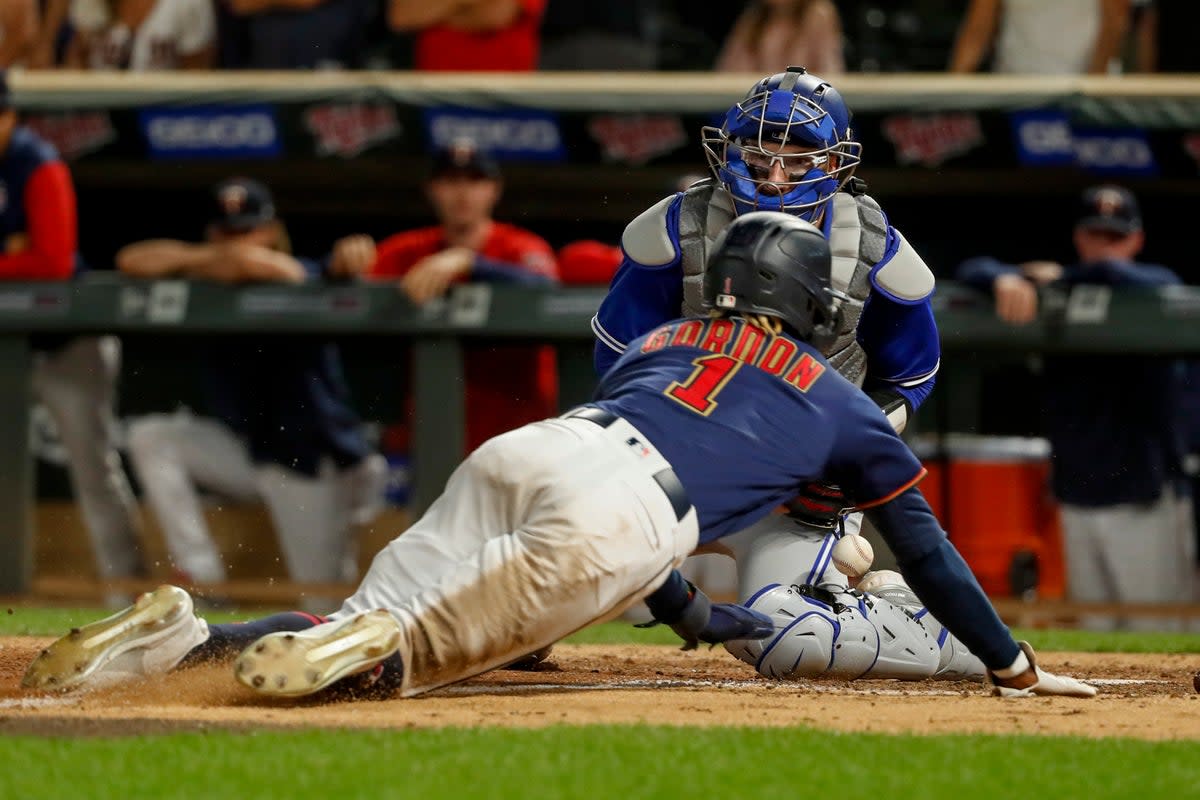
x=431, y=276
x=1042, y=272
x=352, y=256
x=1016, y=299
x=818, y=504
x=1036, y=681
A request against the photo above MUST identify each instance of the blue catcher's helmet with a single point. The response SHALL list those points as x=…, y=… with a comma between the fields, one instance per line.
x=792, y=120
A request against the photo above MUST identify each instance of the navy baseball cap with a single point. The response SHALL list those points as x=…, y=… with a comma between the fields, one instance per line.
x=463, y=157
x=241, y=204
x=1110, y=208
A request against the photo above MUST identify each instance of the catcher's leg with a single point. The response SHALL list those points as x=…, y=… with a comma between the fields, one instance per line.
x=785, y=551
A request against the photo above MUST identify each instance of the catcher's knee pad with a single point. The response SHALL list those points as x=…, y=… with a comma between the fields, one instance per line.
x=813, y=637
x=842, y=634
x=955, y=661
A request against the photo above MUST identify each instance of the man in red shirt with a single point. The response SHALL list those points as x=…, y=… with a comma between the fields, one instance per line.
x=74, y=378
x=507, y=385
x=471, y=35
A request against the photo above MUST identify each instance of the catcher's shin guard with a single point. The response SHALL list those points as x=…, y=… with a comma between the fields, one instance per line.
x=292, y=664
x=148, y=638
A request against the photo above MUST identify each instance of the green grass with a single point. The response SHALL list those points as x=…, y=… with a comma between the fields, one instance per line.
x=596, y=762
x=55, y=621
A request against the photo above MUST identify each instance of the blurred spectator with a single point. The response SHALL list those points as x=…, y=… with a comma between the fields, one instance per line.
x=52, y=36
x=142, y=35
x=770, y=33
x=1116, y=446
x=508, y=385
x=292, y=34
x=617, y=35
x=74, y=377
x=1164, y=36
x=1064, y=37
x=281, y=429
x=18, y=31
x=470, y=35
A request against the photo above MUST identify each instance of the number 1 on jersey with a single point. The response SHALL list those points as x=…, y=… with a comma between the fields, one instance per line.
x=699, y=391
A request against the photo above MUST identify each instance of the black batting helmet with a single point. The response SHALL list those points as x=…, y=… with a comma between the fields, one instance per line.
x=768, y=262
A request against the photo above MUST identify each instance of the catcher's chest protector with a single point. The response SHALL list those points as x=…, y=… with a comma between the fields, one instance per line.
x=857, y=239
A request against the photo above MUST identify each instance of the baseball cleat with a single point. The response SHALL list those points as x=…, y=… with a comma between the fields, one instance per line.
x=290, y=664
x=148, y=638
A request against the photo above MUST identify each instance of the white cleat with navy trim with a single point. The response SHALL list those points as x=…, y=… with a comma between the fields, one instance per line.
x=290, y=664
x=146, y=639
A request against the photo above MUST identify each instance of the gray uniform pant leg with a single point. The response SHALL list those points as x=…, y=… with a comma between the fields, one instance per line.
x=77, y=385
x=1131, y=553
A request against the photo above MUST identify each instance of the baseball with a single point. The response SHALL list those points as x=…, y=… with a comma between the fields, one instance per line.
x=852, y=555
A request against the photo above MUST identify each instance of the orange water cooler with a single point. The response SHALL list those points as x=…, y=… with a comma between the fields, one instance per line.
x=992, y=495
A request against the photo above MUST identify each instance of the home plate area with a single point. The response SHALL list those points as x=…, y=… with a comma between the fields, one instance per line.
x=1142, y=696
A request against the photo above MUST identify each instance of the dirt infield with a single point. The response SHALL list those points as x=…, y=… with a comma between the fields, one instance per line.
x=1143, y=696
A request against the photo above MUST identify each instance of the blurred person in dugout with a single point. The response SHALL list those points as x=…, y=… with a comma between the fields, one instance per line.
x=1036, y=37
x=280, y=425
x=470, y=35
x=1115, y=435
x=773, y=32
x=508, y=385
x=74, y=377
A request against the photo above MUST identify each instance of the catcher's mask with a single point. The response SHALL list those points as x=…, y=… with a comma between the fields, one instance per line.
x=771, y=263
x=792, y=119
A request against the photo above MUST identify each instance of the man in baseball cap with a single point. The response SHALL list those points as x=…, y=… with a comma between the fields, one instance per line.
x=1110, y=208
x=463, y=158
x=241, y=204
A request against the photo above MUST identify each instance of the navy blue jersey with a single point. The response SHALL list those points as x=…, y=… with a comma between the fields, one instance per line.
x=746, y=418
x=286, y=396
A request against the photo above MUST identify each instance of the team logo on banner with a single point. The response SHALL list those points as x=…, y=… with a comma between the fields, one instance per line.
x=524, y=135
x=636, y=138
x=348, y=129
x=74, y=133
x=932, y=139
x=211, y=132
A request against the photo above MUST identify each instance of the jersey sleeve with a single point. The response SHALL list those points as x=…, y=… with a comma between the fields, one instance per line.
x=51, y=228
x=647, y=289
x=869, y=461
x=393, y=257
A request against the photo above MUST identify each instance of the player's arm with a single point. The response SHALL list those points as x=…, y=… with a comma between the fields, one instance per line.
x=880, y=474
x=898, y=333
x=47, y=251
x=648, y=287
x=413, y=15
x=225, y=262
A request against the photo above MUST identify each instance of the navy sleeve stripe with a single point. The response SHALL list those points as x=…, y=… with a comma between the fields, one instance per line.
x=606, y=338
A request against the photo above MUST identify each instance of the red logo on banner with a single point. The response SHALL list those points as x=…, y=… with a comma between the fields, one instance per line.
x=74, y=134
x=1191, y=145
x=637, y=138
x=930, y=140
x=347, y=129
